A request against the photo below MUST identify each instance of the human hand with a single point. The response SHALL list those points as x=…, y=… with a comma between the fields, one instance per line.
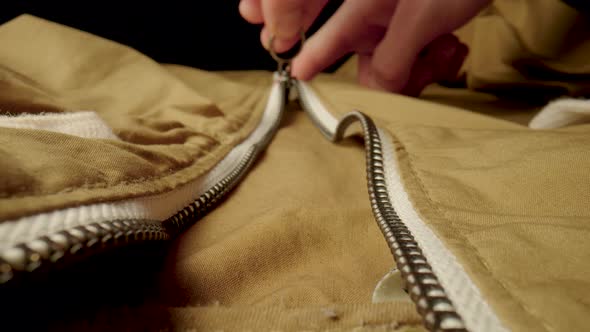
x=402, y=45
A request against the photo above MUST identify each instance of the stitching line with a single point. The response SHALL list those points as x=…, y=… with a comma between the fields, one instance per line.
x=523, y=130
x=435, y=206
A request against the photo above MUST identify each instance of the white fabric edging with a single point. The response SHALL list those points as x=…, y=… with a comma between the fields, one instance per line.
x=152, y=208
x=317, y=110
x=468, y=301
x=82, y=124
x=466, y=298
x=561, y=113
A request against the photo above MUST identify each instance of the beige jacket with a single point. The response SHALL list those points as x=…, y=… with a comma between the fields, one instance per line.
x=216, y=208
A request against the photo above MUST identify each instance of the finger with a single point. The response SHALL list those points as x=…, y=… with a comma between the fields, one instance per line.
x=280, y=45
x=337, y=37
x=447, y=54
x=364, y=68
x=413, y=26
x=311, y=10
x=409, y=31
x=442, y=61
x=284, y=18
x=251, y=11
x=423, y=74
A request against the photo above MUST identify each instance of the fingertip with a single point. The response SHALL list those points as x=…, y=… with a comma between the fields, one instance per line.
x=448, y=55
x=388, y=76
x=265, y=38
x=251, y=11
x=374, y=83
x=278, y=45
x=306, y=64
x=363, y=69
x=281, y=45
x=317, y=54
x=441, y=61
x=299, y=71
x=422, y=75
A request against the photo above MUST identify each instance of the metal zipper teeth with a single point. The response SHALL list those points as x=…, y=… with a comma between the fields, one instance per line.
x=423, y=286
x=65, y=247
x=206, y=202
x=59, y=249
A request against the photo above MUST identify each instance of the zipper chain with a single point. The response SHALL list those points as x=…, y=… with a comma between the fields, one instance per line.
x=206, y=202
x=65, y=247
x=421, y=283
x=423, y=286
x=58, y=249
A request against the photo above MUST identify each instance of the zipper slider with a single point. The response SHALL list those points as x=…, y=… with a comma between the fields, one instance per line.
x=284, y=64
x=283, y=74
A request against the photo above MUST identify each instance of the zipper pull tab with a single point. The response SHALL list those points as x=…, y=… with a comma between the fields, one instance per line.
x=284, y=64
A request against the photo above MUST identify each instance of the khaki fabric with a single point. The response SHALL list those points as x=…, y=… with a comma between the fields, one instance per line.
x=510, y=202
x=295, y=246
x=333, y=318
x=522, y=53
x=512, y=206
x=281, y=254
x=297, y=235
x=517, y=110
x=298, y=231
x=529, y=47
x=171, y=130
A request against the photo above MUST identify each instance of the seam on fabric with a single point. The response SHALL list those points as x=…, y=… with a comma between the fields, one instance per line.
x=466, y=297
x=476, y=252
x=523, y=130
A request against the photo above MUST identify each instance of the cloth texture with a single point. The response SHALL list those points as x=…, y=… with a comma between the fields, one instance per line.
x=83, y=124
x=295, y=246
x=170, y=132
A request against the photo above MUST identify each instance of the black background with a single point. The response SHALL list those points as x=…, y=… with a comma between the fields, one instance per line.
x=209, y=35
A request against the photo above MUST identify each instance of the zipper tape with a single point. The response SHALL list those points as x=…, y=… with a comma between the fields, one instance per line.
x=50, y=240
x=444, y=295
x=475, y=311
x=429, y=270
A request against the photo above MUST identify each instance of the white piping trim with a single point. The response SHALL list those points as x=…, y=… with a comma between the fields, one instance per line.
x=320, y=114
x=80, y=123
x=562, y=112
x=153, y=208
x=466, y=298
